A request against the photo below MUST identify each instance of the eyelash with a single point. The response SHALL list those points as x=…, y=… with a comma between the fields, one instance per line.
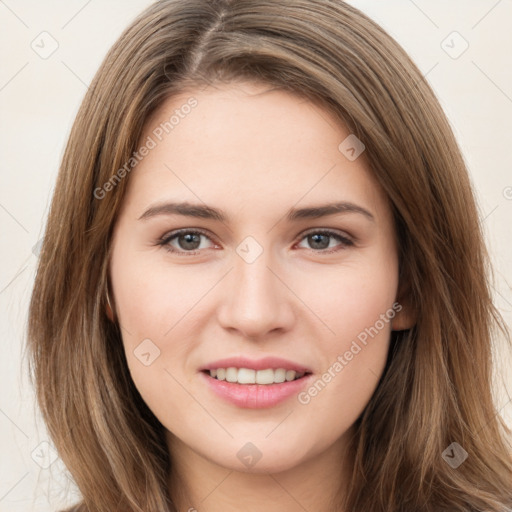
x=164, y=241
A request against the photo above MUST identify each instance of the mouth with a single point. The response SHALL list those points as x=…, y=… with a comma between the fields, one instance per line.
x=255, y=383
x=249, y=376
x=250, y=389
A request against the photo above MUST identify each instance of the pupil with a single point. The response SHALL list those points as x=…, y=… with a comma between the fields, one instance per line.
x=190, y=238
x=314, y=238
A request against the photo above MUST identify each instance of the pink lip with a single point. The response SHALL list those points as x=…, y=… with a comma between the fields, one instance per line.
x=255, y=396
x=260, y=364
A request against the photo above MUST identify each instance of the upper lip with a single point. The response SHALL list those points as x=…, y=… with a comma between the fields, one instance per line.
x=256, y=364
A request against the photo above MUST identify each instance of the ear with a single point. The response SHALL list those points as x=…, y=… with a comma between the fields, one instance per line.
x=406, y=315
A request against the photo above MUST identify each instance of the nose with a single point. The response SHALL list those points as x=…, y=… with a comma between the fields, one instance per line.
x=255, y=300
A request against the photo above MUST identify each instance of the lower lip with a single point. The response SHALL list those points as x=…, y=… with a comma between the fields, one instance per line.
x=255, y=396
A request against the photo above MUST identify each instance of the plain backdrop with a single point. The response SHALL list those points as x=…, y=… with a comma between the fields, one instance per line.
x=462, y=47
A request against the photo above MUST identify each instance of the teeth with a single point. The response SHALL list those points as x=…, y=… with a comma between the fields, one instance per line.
x=248, y=376
x=231, y=374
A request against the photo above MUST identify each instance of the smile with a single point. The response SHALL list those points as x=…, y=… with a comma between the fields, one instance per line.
x=254, y=395
x=250, y=376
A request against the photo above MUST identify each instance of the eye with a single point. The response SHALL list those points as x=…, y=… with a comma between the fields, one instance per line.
x=188, y=241
x=321, y=240
x=184, y=241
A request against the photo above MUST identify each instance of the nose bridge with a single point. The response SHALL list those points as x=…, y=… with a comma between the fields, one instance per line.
x=256, y=301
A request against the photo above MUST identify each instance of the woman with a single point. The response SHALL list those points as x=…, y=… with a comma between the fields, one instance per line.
x=195, y=343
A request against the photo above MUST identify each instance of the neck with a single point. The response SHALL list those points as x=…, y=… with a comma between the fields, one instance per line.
x=198, y=484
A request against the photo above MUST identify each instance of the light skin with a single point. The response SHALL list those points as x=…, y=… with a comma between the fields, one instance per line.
x=254, y=153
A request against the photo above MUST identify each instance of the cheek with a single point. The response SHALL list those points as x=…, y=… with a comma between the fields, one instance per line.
x=351, y=298
x=350, y=378
x=356, y=303
x=152, y=312
x=157, y=308
x=153, y=298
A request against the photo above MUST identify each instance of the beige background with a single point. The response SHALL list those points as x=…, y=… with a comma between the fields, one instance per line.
x=40, y=96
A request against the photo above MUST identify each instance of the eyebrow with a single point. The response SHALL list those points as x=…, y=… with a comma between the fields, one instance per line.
x=207, y=212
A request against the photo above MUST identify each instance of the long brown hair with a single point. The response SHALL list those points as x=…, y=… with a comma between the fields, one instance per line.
x=437, y=386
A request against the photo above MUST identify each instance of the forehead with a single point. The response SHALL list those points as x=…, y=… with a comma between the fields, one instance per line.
x=246, y=145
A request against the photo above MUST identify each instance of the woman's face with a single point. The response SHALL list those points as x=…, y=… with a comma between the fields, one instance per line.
x=263, y=267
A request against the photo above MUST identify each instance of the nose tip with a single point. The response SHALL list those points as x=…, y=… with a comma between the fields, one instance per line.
x=254, y=301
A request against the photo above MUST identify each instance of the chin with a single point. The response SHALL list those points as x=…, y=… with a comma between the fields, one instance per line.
x=259, y=457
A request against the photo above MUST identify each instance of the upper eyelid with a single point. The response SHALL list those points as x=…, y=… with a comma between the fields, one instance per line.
x=331, y=231
x=172, y=234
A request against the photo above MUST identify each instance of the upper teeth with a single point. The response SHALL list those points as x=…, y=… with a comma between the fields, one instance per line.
x=248, y=376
